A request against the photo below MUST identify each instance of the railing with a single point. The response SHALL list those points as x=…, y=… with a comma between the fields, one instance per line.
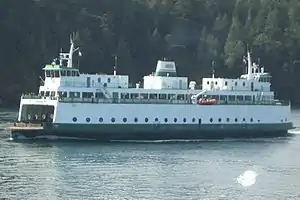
x=152, y=101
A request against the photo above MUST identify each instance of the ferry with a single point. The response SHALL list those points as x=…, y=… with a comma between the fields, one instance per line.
x=165, y=106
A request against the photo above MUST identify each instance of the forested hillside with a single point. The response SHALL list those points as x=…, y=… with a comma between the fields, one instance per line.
x=192, y=32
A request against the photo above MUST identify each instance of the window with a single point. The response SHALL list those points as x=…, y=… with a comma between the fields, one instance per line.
x=74, y=94
x=108, y=80
x=184, y=120
x=247, y=98
x=251, y=120
x=88, y=119
x=146, y=119
x=99, y=80
x=244, y=119
x=63, y=73
x=166, y=120
x=124, y=119
x=135, y=119
x=74, y=119
x=193, y=120
x=156, y=119
x=113, y=119
x=211, y=120
x=175, y=119
x=87, y=94
x=99, y=95
x=226, y=83
x=100, y=119
x=227, y=119
x=220, y=120
x=235, y=119
x=235, y=83
x=162, y=96
x=244, y=84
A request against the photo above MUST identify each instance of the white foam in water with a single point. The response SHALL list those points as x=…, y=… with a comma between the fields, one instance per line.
x=247, y=179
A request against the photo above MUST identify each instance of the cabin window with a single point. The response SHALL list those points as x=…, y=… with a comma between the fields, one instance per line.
x=124, y=95
x=134, y=96
x=171, y=96
x=180, y=97
x=235, y=119
x=166, y=120
x=42, y=93
x=74, y=119
x=135, y=119
x=162, y=96
x=124, y=119
x=227, y=119
x=156, y=119
x=73, y=73
x=207, y=82
x=244, y=84
x=175, y=120
x=47, y=73
x=87, y=94
x=63, y=73
x=108, y=80
x=193, y=120
x=211, y=120
x=47, y=94
x=215, y=97
x=146, y=119
x=68, y=73
x=223, y=98
x=99, y=80
x=56, y=73
x=231, y=98
x=74, y=94
x=144, y=96
x=184, y=120
x=88, y=119
x=100, y=95
x=52, y=94
x=216, y=83
x=240, y=98
x=113, y=119
x=219, y=119
x=100, y=119
x=62, y=94
x=235, y=83
x=225, y=83
x=247, y=98
x=153, y=96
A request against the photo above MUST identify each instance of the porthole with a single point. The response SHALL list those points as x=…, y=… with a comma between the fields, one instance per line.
x=251, y=120
x=100, y=119
x=175, y=120
x=216, y=83
x=285, y=119
x=124, y=119
x=113, y=119
x=243, y=83
x=146, y=119
x=156, y=119
x=235, y=119
x=235, y=83
x=193, y=120
x=244, y=119
x=166, y=120
x=219, y=119
x=74, y=119
x=211, y=120
x=227, y=119
x=184, y=120
x=88, y=119
x=207, y=82
x=225, y=83
x=135, y=119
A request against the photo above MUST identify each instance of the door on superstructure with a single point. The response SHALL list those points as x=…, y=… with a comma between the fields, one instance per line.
x=88, y=82
x=115, y=96
x=180, y=84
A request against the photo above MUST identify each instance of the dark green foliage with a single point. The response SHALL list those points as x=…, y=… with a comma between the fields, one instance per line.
x=194, y=33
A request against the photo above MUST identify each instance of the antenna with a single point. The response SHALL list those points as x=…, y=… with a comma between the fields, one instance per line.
x=116, y=65
x=213, y=63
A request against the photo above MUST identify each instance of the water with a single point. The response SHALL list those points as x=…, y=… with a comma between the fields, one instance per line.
x=186, y=170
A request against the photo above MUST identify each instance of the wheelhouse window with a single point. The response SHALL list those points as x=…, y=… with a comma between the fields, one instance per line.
x=87, y=94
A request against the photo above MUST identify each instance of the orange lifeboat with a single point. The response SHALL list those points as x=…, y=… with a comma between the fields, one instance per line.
x=207, y=101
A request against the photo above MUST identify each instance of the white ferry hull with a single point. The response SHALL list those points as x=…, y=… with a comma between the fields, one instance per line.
x=108, y=122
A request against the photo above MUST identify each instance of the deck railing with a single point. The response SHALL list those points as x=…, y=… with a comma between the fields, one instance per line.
x=152, y=101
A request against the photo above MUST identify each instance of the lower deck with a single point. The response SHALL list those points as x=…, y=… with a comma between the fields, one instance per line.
x=108, y=132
